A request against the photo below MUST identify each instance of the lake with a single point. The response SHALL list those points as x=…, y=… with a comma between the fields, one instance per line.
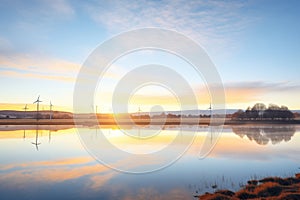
x=52, y=162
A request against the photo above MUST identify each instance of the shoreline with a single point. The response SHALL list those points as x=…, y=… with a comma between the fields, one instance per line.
x=267, y=188
x=175, y=121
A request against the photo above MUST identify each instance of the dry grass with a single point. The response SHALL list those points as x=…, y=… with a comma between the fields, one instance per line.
x=269, y=188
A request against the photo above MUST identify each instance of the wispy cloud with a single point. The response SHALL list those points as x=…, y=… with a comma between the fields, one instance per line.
x=209, y=22
x=36, y=76
x=238, y=95
x=38, y=66
x=36, y=62
x=62, y=7
x=5, y=45
x=45, y=9
x=15, y=62
x=260, y=86
x=243, y=92
x=38, y=17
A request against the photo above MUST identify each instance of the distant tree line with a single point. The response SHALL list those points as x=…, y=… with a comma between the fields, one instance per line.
x=172, y=116
x=261, y=112
x=33, y=115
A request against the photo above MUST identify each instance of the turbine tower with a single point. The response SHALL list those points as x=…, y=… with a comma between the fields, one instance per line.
x=51, y=110
x=211, y=135
x=37, y=107
x=210, y=108
x=25, y=109
x=139, y=111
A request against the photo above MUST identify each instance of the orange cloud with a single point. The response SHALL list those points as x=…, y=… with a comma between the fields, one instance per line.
x=39, y=76
x=38, y=67
x=243, y=95
x=38, y=63
x=54, y=171
x=52, y=163
x=31, y=107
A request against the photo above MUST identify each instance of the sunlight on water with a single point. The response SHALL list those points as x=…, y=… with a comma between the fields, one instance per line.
x=137, y=145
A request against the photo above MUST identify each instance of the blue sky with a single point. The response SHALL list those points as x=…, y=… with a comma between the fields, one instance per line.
x=255, y=44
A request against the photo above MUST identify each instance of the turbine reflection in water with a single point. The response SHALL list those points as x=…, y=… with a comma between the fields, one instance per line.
x=36, y=143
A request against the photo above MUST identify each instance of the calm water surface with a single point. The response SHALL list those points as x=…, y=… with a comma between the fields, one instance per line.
x=48, y=162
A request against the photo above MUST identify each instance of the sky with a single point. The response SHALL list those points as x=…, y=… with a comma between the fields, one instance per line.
x=254, y=45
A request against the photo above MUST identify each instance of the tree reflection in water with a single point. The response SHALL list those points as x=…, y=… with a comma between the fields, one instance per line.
x=263, y=134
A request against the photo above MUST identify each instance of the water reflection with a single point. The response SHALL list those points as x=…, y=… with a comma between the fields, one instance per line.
x=62, y=169
x=34, y=127
x=49, y=135
x=262, y=135
x=36, y=143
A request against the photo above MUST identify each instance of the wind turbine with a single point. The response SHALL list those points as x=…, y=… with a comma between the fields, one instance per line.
x=139, y=129
x=51, y=110
x=37, y=107
x=139, y=111
x=210, y=108
x=211, y=135
x=25, y=109
x=97, y=114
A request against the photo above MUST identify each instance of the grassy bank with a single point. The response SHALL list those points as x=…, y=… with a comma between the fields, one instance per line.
x=267, y=188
